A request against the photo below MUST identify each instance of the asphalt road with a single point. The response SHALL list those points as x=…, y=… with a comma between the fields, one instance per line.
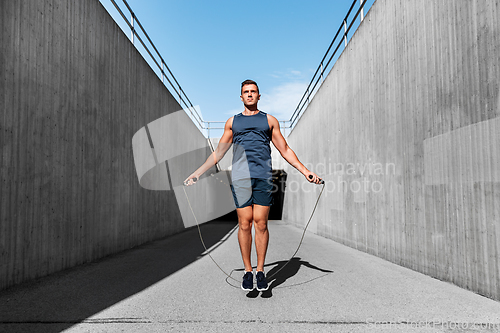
x=172, y=285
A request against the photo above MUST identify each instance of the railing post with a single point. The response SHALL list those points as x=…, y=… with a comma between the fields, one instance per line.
x=321, y=72
x=345, y=32
x=132, y=31
x=362, y=9
x=161, y=70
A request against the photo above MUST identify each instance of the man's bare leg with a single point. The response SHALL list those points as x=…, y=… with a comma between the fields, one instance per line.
x=245, y=219
x=260, y=217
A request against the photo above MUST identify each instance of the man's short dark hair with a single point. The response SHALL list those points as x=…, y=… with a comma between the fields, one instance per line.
x=244, y=83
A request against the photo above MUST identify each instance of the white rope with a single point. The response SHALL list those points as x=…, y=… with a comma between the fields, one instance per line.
x=268, y=277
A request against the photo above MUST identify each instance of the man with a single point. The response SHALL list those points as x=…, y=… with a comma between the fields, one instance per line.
x=251, y=131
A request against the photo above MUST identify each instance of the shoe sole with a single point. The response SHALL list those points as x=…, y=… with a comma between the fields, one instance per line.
x=246, y=289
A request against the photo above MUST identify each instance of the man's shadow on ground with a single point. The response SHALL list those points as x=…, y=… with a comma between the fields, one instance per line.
x=283, y=271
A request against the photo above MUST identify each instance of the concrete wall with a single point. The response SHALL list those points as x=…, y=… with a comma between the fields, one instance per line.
x=73, y=91
x=411, y=150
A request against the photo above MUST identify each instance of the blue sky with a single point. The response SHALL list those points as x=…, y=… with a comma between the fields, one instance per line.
x=212, y=46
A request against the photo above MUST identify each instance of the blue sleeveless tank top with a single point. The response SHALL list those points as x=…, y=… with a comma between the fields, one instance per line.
x=251, y=148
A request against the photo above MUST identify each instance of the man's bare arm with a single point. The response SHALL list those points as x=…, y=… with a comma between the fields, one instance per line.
x=287, y=152
x=223, y=146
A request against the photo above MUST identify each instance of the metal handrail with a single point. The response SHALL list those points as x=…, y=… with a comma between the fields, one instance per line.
x=178, y=90
x=322, y=68
x=208, y=128
x=183, y=98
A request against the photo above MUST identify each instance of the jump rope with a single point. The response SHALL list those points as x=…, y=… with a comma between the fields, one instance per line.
x=322, y=182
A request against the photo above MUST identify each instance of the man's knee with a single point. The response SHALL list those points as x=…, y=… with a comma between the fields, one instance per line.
x=261, y=225
x=245, y=225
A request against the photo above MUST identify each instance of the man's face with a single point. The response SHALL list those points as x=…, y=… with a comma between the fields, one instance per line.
x=249, y=94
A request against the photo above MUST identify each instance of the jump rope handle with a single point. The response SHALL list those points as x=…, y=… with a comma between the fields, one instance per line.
x=195, y=179
x=321, y=180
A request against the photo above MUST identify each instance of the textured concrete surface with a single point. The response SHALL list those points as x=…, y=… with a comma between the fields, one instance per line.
x=73, y=92
x=169, y=285
x=405, y=131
